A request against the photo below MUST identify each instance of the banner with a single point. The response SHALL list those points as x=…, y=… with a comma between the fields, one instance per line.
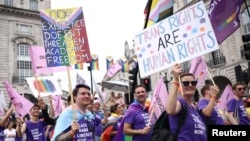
x=65, y=37
x=46, y=85
x=113, y=70
x=224, y=17
x=176, y=39
x=38, y=60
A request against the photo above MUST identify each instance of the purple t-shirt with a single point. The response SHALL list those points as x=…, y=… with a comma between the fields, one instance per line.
x=98, y=119
x=215, y=117
x=139, y=120
x=242, y=113
x=1, y=133
x=116, y=127
x=85, y=133
x=193, y=129
x=35, y=131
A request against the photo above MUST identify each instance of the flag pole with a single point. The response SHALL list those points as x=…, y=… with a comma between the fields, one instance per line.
x=36, y=83
x=210, y=77
x=71, y=94
x=91, y=77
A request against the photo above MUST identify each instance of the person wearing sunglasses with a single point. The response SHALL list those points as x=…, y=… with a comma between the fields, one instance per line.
x=206, y=105
x=237, y=114
x=193, y=128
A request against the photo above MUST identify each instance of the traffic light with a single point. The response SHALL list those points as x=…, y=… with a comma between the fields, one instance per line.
x=132, y=81
x=246, y=45
x=147, y=83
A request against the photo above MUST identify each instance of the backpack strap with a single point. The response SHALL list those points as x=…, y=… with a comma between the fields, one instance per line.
x=182, y=118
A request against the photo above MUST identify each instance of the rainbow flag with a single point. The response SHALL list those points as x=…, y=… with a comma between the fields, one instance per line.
x=95, y=63
x=79, y=66
x=109, y=62
x=65, y=37
x=124, y=64
x=224, y=20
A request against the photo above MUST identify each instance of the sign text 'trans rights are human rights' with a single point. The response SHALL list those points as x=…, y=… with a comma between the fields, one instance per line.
x=176, y=39
x=65, y=37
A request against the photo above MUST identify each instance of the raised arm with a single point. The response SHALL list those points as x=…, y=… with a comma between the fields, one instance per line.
x=6, y=116
x=173, y=106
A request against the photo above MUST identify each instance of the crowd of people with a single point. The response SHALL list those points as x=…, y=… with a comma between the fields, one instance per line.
x=86, y=118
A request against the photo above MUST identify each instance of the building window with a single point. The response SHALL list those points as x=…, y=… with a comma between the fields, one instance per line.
x=23, y=63
x=8, y=2
x=246, y=21
x=185, y=66
x=34, y=5
x=216, y=58
x=186, y=2
x=24, y=29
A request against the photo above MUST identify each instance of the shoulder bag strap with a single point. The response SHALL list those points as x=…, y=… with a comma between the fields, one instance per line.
x=182, y=119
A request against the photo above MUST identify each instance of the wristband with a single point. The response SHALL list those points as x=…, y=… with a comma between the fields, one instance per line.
x=215, y=97
x=176, y=83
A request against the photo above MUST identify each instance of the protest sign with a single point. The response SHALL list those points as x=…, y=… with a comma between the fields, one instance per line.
x=65, y=37
x=45, y=86
x=176, y=39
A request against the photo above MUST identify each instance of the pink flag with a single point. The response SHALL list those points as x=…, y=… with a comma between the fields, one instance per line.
x=57, y=104
x=113, y=70
x=225, y=97
x=2, y=110
x=199, y=69
x=21, y=104
x=39, y=65
x=158, y=103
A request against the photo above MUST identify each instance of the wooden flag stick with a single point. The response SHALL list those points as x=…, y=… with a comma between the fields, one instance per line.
x=71, y=94
x=210, y=77
x=151, y=115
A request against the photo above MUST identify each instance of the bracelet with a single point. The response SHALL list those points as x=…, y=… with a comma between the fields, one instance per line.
x=176, y=83
x=215, y=97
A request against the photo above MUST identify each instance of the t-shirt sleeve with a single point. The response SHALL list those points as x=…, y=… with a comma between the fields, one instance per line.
x=231, y=105
x=202, y=104
x=130, y=118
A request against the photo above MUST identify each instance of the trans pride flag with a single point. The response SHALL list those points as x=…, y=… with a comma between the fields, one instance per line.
x=109, y=62
x=65, y=37
x=224, y=17
x=124, y=64
x=95, y=62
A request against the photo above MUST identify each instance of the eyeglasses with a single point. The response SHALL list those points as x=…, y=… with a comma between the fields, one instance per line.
x=187, y=83
x=240, y=89
x=140, y=92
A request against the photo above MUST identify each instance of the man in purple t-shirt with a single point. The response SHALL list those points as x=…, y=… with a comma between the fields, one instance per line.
x=82, y=126
x=206, y=105
x=137, y=123
x=235, y=106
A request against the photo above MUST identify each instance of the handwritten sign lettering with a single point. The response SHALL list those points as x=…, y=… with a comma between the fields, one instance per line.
x=178, y=38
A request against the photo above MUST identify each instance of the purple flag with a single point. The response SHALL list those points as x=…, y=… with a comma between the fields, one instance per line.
x=224, y=17
x=21, y=104
x=225, y=97
x=199, y=69
x=158, y=104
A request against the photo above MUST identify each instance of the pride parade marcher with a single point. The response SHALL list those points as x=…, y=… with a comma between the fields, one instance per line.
x=237, y=114
x=82, y=125
x=193, y=128
x=3, y=122
x=136, y=119
x=206, y=105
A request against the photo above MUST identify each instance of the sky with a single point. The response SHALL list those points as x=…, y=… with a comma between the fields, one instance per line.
x=109, y=23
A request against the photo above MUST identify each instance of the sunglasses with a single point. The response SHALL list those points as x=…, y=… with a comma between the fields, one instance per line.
x=140, y=92
x=240, y=89
x=187, y=83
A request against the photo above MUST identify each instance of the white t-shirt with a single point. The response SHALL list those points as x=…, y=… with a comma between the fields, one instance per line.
x=9, y=135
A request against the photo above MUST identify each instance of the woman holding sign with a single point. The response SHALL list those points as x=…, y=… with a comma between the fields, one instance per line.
x=193, y=128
